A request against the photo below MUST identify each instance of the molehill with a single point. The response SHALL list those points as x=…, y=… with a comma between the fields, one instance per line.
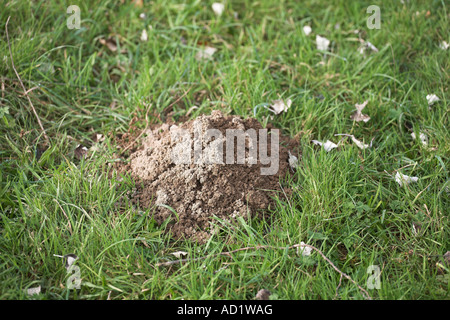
x=183, y=180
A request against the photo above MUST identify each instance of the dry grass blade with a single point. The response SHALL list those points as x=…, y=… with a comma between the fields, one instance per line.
x=47, y=140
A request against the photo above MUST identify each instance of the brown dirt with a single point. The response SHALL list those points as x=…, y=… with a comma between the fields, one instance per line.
x=197, y=192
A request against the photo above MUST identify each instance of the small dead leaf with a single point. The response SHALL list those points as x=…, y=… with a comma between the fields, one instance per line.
x=328, y=145
x=98, y=137
x=278, y=106
x=205, y=54
x=179, y=254
x=358, y=143
x=80, y=152
x=360, y=107
x=358, y=115
x=447, y=257
x=33, y=291
x=110, y=43
x=293, y=161
x=367, y=45
x=322, y=43
x=403, y=179
x=263, y=294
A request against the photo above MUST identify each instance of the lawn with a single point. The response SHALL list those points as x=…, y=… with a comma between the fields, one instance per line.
x=90, y=87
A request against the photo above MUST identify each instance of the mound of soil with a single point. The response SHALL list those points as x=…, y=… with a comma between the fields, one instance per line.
x=199, y=190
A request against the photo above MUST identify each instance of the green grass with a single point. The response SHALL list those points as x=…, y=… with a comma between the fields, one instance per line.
x=345, y=202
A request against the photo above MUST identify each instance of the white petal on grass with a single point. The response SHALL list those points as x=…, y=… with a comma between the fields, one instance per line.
x=293, y=161
x=33, y=291
x=444, y=45
x=371, y=46
x=432, y=98
x=422, y=136
x=358, y=115
x=322, y=43
x=360, y=144
x=144, y=35
x=328, y=146
x=403, y=179
x=307, y=30
x=218, y=8
x=278, y=106
x=179, y=254
x=304, y=251
x=205, y=53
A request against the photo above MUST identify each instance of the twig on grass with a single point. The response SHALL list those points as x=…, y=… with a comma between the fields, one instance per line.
x=337, y=288
x=47, y=140
x=169, y=263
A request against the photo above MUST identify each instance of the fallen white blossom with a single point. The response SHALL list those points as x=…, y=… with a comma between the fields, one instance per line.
x=278, y=106
x=144, y=35
x=328, y=146
x=205, y=54
x=322, y=43
x=304, y=251
x=218, y=8
x=423, y=138
x=444, y=45
x=403, y=179
x=307, y=30
x=432, y=98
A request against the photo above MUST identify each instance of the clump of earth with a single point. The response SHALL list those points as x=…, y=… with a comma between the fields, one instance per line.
x=182, y=173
